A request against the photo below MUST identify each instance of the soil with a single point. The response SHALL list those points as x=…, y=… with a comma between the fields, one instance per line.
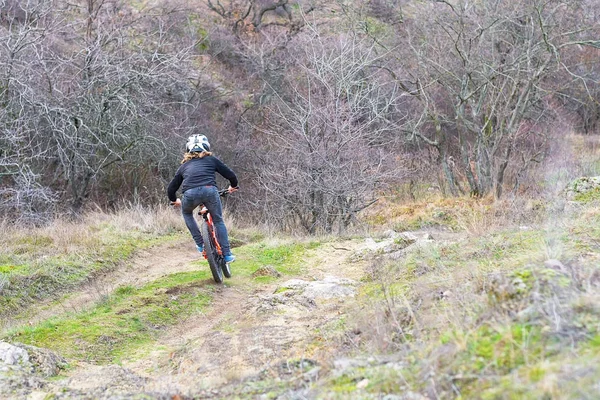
x=250, y=330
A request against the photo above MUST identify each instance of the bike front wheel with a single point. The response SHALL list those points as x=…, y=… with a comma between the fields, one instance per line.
x=225, y=268
x=211, y=253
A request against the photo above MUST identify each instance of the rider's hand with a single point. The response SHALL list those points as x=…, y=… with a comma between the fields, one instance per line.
x=176, y=203
x=231, y=189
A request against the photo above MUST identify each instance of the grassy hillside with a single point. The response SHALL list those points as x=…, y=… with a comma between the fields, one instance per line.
x=502, y=310
x=43, y=263
x=498, y=300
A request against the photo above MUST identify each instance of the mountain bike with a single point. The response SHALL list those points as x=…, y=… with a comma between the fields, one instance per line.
x=212, y=249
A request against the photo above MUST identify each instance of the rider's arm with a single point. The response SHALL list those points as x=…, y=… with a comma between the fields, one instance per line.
x=174, y=185
x=226, y=172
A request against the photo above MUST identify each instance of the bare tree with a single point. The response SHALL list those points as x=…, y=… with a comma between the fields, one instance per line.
x=89, y=86
x=324, y=155
x=253, y=15
x=481, y=77
x=22, y=28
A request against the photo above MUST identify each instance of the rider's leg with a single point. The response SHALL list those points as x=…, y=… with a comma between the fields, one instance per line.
x=189, y=201
x=212, y=201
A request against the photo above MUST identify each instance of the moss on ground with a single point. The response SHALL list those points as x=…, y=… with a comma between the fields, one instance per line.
x=125, y=321
x=288, y=258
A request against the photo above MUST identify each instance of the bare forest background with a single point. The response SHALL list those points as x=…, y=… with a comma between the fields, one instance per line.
x=319, y=106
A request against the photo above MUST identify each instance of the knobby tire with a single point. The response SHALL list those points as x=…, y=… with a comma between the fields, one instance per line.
x=211, y=253
x=225, y=268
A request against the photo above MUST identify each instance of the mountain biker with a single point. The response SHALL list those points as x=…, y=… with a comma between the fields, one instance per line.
x=196, y=176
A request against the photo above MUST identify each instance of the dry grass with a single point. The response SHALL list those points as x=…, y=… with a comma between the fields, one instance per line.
x=62, y=236
x=468, y=215
x=484, y=314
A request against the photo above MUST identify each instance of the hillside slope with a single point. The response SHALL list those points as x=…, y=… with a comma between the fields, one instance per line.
x=459, y=307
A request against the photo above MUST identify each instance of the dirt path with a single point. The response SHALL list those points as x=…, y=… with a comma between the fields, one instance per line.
x=147, y=265
x=253, y=331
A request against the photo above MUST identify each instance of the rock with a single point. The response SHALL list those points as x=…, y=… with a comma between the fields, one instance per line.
x=373, y=245
x=362, y=384
x=37, y=395
x=327, y=288
x=17, y=382
x=298, y=293
x=555, y=265
x=391, y=234
x=580, y=186
x=266, y=270
x=13, y=355
x=20, y=369
x=395, y=243
x=343, y=364
x=45, y=362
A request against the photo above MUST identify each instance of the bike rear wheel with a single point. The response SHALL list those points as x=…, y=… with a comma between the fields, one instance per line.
x=211, y=253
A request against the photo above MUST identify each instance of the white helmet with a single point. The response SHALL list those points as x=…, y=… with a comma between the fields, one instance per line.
x=197, y=144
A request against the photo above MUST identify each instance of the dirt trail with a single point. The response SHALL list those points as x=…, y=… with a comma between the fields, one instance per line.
x=249, y=329
x=147, y=265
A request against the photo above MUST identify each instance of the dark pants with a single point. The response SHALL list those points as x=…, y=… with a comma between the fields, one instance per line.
x=209, y=196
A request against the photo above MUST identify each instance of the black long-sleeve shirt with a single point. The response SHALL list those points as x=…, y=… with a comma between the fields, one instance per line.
x=200, y=172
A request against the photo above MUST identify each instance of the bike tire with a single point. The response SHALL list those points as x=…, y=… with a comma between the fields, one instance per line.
x=225, y=268
x=211, y=255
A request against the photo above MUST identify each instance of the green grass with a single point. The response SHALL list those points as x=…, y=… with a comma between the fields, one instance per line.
x=287, y=258
x=131, y=317
x=497, y=350
x=37, y=270
x=127, y=320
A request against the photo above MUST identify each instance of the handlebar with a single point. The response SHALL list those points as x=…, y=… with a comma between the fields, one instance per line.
x=226, y=192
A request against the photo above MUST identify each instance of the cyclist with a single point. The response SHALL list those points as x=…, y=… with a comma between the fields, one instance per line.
x=196, y=176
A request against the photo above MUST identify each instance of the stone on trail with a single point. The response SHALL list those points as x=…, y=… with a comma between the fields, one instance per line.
x=393, y=244
x=13, y=355
x=301, y=294
x=17, y=378
x=266, y=270
x=328, y=288
x=45, y=362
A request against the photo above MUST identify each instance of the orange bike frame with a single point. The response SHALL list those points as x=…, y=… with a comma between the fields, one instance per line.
x=213, y=232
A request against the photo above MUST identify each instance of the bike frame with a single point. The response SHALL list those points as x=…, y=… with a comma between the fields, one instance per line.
x=208, y=219
x=215, y=257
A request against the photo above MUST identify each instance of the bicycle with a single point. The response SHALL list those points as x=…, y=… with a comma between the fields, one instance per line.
x=212, y=249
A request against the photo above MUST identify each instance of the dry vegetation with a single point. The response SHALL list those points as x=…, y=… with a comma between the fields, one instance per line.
x=492, y=308
x=465, y=120
x=319, y=106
